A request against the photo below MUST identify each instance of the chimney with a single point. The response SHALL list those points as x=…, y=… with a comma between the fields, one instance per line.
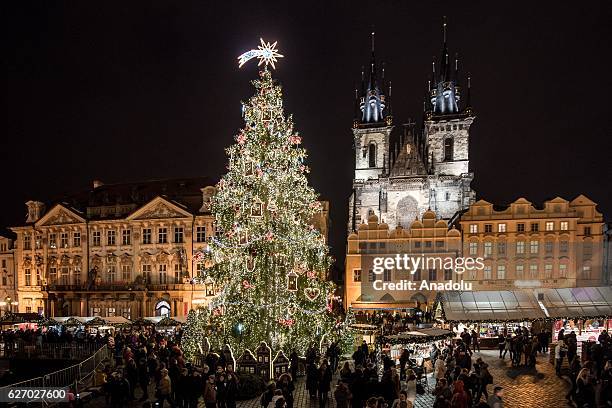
x=35, y=210
x=97, y=183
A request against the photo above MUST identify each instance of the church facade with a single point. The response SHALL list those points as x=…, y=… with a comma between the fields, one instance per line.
x=401, y=172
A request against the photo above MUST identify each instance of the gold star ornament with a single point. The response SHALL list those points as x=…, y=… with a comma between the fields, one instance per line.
x=266, y=53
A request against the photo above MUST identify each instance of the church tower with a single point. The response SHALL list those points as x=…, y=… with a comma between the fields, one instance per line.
x=446, y=130
x=372, y=124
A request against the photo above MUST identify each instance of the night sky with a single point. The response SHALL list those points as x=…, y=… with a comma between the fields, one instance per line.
x=128, y=91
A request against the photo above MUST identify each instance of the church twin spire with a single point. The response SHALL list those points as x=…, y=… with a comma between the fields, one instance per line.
x=372, y=103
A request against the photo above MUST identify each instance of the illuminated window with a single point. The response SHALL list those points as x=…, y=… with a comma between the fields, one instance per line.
x=473, y=248
x=519, y=271
x=163, y=273
x=501, y=227
x=533, y=271
x=126, y=273
x=64, y=240
x=28, y=277
x=563, y=271
x=26, y=242
x=550, y=226
x=520, y=247
x=501, y=272
x=52, y=275
x=146, y=273
x=95, y=238
x=547, y=271
x=586, y=272
x=52, y=240
x=564, y=226
x=110, y=312
x=473, y=228
x=177, y=273
x=357, y=275
x=112, y=274
x=487, y=273
x=534, y=247
x=488, y=249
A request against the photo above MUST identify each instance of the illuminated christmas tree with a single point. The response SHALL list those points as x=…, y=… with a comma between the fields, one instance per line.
x=269, y=262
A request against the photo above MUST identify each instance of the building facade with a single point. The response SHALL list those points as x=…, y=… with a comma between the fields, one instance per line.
x=8, y=287
x=428, y=237
x=560, y=245
x=127, y=250
x=400, y=172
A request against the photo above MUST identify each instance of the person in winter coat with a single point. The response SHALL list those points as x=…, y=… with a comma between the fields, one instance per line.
x=231, y=390
x=343, y=396
x=132, y=376
x=324, y=377
x=295, y=361
x=495, y=400
x=357, y=388
x=164, y=388
x=443, y=394
x=277, y=399
x=210, y=392
x=285, y=384
x=222, y=387
x=143, y=378
x=439, y=369
x=585, y=391
x=460, y=398
x=312, y=380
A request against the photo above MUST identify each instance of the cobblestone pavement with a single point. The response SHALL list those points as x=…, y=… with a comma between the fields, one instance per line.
x=524, y=388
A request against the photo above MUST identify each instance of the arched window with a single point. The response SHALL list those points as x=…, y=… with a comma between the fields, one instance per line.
x=372, y=155
x=448, y=149
x=162, y=308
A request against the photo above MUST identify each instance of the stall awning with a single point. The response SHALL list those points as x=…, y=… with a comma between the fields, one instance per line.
x=356, y=306
x=491, y=306
x=577, y=302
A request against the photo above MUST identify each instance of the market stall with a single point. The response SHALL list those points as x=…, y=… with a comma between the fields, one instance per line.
x=418, y=342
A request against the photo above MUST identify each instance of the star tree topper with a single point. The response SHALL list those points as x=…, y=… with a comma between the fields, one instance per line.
x=266, y=53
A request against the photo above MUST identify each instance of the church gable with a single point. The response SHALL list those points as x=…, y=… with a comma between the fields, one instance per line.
x=60, y=215
x=159, y=208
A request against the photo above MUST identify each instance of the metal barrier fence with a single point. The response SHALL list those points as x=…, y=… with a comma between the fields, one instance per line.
x=58, y=351
x=79, y=375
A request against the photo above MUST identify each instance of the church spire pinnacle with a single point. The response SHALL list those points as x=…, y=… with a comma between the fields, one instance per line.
x=373, y=104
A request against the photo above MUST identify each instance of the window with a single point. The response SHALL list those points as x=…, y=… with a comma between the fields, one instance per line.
x=38, y=241
x=473, y=228
x=210, y=289
x=201, y=233
x=387, y=275
x=178, y=234
x=76, y=239
x=488, y=249
x=520, y=247
x=163, y=269
x=95, y=311
x=488, y=227
x=65, y=276
x=520, y=227
x=447, y=196
x=38, y=279
x=126, y=237
x=563, y=245
x=126, y=273
x=427, y=244
x=162, y=235
x=146, y=273
x=177, y=273
x=564, y=226
x=4, y=281
x=473, y=248
x=501, y=227
x=26, y=242
x=548, y=247
x=110, y=312
x=112, y=274
x=472, y=274
x=563, y=271
x=550, y=226
x=95, y=238
x=146, y=235
x=200, y=269
x=357, y=275
x=487, y=273
x=77, y=276
x=110, y=237
x=448, y=274
x=501, y=272
x=548, y=271
x=417, y=244
x=587, y=231
x=218, y=231
x=52, y=240
x=371, y=276
x=501, y=248
x=448, y=149
x=433, y=275
x=587, y=250
x=417, y=275
x=28, y=277
x=52, y=275
x=28, y=309
x=534, y=247
x=533, y=271
x=64, y=240
x=439, y=244
x=126, y=312
x=535, y=227
x=4, y=263
x=372, y=155
x=586, y=272
x=519, y=271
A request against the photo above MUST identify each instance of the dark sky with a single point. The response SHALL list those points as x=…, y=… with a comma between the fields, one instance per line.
x=132, y=90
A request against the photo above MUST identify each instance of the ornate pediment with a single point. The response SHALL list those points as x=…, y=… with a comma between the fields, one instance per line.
x=60, y=215
x=159, y=208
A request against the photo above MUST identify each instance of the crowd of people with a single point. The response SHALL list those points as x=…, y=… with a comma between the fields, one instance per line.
x=12, y=338
x=523, y=344
x=591, y=381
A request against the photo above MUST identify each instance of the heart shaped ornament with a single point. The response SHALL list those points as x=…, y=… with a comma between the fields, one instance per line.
x=312, y=293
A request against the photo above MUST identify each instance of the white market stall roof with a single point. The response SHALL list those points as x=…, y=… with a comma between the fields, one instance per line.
x=578, y=302
x=90, y=320
x=418, y=336
x=491, y=306
x=522, y=305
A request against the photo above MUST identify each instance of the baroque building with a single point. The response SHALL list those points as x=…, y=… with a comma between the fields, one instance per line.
x=400, y=172
x=129, y=249
x=8, y=287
